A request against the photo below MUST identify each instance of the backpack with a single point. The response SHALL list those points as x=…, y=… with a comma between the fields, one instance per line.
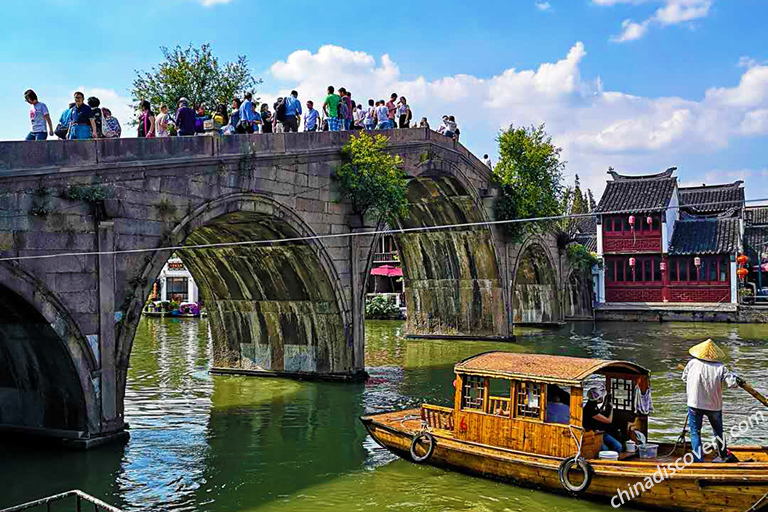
x=343, y=109
x=111, y=128
x=280, y=111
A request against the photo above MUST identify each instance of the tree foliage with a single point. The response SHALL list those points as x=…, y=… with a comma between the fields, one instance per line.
x=583, y=260
x=530, y=174
x=195, y=74
x=580, y=204
x=373, y=178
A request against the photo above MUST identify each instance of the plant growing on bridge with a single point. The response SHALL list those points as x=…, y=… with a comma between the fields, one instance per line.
x=530, y=174
x=195, y=74
x=583, y=260
x=380, y=307
x=373, y=179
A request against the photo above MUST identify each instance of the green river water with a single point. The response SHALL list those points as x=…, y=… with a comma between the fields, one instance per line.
x=222, y=443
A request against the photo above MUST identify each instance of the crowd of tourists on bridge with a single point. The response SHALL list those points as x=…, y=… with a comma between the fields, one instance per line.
x=87, y=119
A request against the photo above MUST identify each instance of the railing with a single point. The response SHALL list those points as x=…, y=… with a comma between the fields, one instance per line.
x=80, y=497
x=386, y=256
x=436, y=416
x=498, y=406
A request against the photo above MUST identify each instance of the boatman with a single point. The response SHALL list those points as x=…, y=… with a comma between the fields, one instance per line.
x=703, y=376
x=599, y=419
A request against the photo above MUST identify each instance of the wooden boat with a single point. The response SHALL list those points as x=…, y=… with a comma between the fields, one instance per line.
x=498, y=428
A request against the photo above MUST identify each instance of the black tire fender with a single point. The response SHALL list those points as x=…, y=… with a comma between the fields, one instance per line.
x=565, y=469
x=430, y=450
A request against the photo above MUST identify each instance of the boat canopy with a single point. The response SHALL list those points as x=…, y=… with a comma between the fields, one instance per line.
x=544, y=368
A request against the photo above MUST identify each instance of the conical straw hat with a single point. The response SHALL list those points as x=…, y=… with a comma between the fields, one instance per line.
x=708, y=351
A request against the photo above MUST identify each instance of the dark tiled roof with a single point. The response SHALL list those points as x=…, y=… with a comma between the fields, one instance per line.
x=588, y=241
x=755, y=240
x=706, y=236
x=586, y=225
x=712, y=198
x=757, y=215
x=638, y=194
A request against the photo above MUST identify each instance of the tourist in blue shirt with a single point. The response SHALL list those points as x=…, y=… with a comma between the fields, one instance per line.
x=82, y=125
x=257, y=121
x=292, y=113
x=246, y=115
x=311, y=118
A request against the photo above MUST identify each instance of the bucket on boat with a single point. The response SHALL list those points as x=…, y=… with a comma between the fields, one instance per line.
x=648, y=451
x=609, y=455
x=631, y=447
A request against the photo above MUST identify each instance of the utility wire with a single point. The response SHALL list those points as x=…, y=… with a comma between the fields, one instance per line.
x=366, y=233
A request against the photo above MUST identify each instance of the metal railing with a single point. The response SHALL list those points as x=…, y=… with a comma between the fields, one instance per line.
x=80, y=497
x=386, y=256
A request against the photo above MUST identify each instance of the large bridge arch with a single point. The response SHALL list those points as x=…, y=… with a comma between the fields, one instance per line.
x=268, y=306
x=49, y=369
x=534, y=287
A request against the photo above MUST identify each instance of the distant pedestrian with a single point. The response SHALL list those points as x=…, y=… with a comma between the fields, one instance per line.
x=369, y=121
x=346, y=109
x=448, y=127
x=311, y=118
x=185, y=118
x=277, y=124
x=146, y=120
x=62, y=129
x=163, y=122
x=234, y=118
x=331, y=110
x=292, y=112
x=424, y=123
x=487, y=161
x=257, y=121
x=404, y=113
x=456, y=131
x=220, y=117
x=94, y=103
x=200, y=118
x=110, y=125
x=266, y=119
x=392, y=109
x=82, y=125
x=245, y=123
x=38, y=117
x=382, y=119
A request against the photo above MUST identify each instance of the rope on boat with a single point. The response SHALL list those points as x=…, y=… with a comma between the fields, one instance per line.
x=680, y=438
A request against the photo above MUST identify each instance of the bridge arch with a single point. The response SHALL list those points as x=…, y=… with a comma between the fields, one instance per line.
x=535, y=297
x=452, y=276
x=47, y=380
x=268, y=306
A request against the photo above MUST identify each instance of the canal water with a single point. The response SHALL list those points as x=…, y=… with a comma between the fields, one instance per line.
x=232, y=444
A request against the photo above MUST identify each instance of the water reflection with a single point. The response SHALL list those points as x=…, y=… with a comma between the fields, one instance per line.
x=238, y=444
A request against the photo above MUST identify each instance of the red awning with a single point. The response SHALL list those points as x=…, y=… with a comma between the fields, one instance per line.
x=387, y=270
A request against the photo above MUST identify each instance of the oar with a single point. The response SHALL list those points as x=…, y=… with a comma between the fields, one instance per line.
x=749, y=389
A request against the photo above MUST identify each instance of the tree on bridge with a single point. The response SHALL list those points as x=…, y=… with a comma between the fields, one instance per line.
x=196, y=74
x=530, y=174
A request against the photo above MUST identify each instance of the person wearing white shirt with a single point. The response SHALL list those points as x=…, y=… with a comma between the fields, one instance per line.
x=368, y=122
x=703, y=378
x=311, y=118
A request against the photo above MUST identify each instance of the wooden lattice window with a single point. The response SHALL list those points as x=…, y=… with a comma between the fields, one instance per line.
x=623, y=394
x=528, y=403
x=499, y=392
x=472, y=395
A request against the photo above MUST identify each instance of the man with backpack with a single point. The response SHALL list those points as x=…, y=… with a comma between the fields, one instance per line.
x=345, y=109
x=292, y=112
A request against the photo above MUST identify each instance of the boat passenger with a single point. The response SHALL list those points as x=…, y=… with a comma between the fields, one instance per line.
x=703, y=378
x=557, y=411
x=595, y=419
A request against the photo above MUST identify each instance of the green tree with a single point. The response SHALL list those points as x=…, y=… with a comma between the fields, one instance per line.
x=592, y=203
x=530, y=174
x=373, y=179
x=195, y=74
x=579, y=204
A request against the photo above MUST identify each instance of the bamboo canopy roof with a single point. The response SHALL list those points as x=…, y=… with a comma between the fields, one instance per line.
x=545, y=368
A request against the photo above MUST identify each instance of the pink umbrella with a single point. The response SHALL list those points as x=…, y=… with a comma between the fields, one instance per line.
x=387, y=270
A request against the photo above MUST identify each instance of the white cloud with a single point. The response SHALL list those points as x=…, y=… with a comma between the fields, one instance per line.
x=672, y=12
x=543, y=6
x=597, y=127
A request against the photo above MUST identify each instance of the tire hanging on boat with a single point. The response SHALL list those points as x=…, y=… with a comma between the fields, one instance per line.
x=571, y=463
x=430, y=439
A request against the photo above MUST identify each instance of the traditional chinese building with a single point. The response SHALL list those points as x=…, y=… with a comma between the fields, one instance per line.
x=661, y=243
x=756, y=248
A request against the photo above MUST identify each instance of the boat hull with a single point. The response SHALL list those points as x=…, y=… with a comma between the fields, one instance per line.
x=707, y=488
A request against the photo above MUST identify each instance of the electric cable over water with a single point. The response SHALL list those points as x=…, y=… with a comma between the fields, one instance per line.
x=361, y=233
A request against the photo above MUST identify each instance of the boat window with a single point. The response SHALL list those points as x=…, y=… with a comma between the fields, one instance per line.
x=558, y=405
x=472, y=397
x=528, y=400
x=623, y=394
x=498, y=397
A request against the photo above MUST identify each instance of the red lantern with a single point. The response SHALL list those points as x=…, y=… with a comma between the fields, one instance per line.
x=742, y=273
x=697, y=261
x=663, y=266
x=632, y=262
x=649, y=220
x=632, y=221
x=742, y=259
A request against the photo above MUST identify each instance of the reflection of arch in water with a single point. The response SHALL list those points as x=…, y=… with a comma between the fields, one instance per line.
x=578, y=296
x=534, y=292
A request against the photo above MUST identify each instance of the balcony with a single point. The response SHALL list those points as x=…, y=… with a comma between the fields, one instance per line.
x=388, y=257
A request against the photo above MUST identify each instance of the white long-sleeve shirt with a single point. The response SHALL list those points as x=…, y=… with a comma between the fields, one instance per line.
x=703, y=384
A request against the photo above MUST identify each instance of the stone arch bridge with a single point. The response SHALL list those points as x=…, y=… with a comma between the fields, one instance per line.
x=293, y=305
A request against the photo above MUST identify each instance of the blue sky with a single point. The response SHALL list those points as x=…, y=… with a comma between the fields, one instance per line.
x=640, y=85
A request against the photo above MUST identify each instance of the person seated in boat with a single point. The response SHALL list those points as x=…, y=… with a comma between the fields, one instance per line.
x=703, y=376
x=557, y=411
x=599, y=419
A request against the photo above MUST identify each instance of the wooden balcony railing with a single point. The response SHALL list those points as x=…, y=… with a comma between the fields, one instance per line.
x=437, y=417
x=498, y=406
x=386, y=256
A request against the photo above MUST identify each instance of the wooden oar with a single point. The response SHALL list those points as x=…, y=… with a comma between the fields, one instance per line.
x=749, y=389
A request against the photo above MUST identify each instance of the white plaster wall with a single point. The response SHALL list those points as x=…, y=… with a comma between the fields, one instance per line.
x=734, y=284
x=673, y=213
